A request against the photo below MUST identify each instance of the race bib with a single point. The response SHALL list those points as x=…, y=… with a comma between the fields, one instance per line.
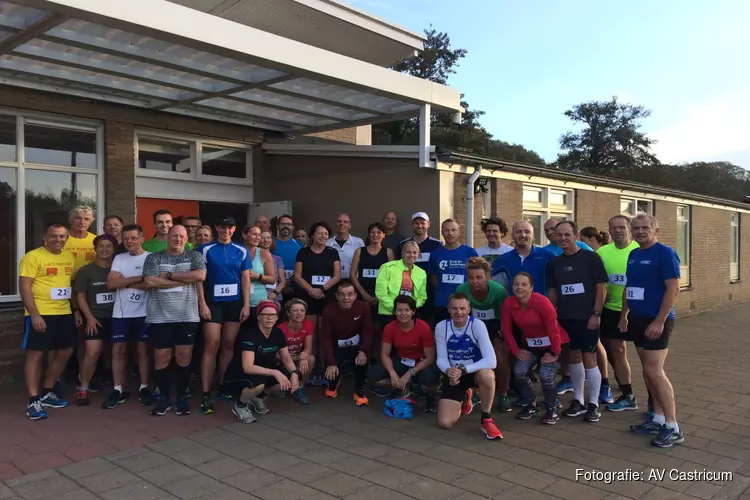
x=288, y=274
x=424, y=257
x=225, y=290
x=573, y=289
x=634, y=293
x=453, y=278
x=483, y=313
x=354, y=341
x=618, y=279
x=411, y=363
x=271, y=287
x=539, y=342
x=320, y=280
x=105, y=298
x=172, y=290
x=134, y=295
x=60, y=293
x=370, y=273
x=405, y=292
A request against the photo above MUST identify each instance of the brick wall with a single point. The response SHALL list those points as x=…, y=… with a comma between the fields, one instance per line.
x=459, y=211
x=506, y=202
x=594, y=208
x=119, y=181
x=346, y=135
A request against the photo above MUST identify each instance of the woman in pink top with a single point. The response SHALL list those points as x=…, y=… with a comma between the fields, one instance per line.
x=541, y=338
x=299, y=333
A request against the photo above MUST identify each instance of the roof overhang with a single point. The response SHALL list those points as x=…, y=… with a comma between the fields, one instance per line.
x=159, y=55
x=358, y=34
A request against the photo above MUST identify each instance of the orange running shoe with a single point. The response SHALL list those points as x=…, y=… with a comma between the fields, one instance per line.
x=490, y=429
x=332, y=393
x=468, y=404
x=360, y=399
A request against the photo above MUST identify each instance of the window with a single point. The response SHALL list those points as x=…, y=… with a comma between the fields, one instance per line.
x=223, y=162
x=633, y=206
x=734, y=247
x=48, y=167
x=683, y=243
x=164, y=154
x=543, y=203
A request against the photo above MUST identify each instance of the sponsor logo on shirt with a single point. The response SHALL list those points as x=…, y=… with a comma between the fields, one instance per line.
x=52, y=271
x=647, y=262
x=68, y=270
x=568, y=269
x=444, y=264
x=90, y=255
x=99, y=283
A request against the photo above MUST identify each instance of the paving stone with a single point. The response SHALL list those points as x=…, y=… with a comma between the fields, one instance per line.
x=521, y=493
x=140, y=491
x=50, y=486
x=375, y=492
x=571, y=490
x=223, y=467
x=441, y=471
x=481, y=484
x=166, y=474
x=194, y=487
x=356, y=466
x=528, y=478
x=109, y=480
x=391, y=477
x=286, y=490
x=144, y=461
x=227, y=494
x=5, y=492
x=85, y=468
x=324, y=455
x=429, y=489
x=305, y=472
x=251, y=480
x=339, y=484
x=196, y=456
x=122, y=455
x=274, y=461
x=172, y=446
x=295, y=445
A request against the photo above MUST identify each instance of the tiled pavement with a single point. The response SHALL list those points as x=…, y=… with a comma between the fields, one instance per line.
x=333, y=450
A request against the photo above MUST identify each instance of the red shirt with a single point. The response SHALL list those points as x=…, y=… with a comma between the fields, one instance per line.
x=295, y=341
x=409, y=344
x=339, y=325
x=537, y=321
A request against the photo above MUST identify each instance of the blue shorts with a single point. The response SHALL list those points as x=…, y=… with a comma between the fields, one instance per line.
x=127, y=329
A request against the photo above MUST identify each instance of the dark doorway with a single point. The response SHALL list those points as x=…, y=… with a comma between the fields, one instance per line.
x=211, y=212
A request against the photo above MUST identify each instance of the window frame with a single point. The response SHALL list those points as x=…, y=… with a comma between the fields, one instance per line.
x=735, y=219
x=21, y=166
x=544, y=208
x=685, y=267
x=635, y=201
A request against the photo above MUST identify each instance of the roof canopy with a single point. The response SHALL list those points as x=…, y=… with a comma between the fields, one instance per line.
x=160, y=55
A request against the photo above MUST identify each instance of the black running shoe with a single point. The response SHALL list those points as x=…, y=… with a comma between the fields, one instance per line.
x=161, y=408
x=528, y=411
x=115, y=398
x=146, y=397
x=576, y=409
x=181, y=407
x=592, y=413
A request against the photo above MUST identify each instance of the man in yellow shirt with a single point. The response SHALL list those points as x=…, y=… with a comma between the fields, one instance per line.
x=80, y=241
x=45, y=283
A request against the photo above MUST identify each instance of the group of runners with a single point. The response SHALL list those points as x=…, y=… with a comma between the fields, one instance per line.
x=276, y=314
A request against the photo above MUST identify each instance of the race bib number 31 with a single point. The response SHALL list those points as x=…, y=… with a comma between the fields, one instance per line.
x=634, y=293
x=572, y=289
x=60, y=293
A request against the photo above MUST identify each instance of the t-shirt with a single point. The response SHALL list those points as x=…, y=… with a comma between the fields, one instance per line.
x=469, y=345
x=225, y=263
x=317, y=268
x=154, y=245
x=251, y=339
x=648, y=269
x=92, y=280
x=52, y=275
x=345, y=328
x=177, y=304
x=450, y=268
x=287, y=250
x=295, y=341
x=490, y=254
x=616, y=263
x=346, y=251
x=555, y=248
x=490, y=308
x=82, y=249
x=130, y=302
x=505, y=267
x=574, y=277
x=408, y=344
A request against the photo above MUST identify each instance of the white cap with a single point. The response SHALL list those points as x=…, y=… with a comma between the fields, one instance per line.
x=420, y=215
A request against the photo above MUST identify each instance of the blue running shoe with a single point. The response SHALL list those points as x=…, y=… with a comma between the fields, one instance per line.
x=381, y=392
x=558, y=404
x=649, y=427
x=188, y=393
x=50, y=399
x=564, y=386
x=605, y=395
x=300, y=396
x=35, y=411
x=624, y=403
x=668, y=437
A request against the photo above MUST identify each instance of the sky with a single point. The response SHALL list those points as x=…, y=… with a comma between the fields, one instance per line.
x=529, y=61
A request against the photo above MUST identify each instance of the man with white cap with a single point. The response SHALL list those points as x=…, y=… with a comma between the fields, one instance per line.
x=420, y=223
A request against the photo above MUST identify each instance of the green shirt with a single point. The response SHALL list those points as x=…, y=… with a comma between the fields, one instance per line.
x=153, y=245
x=489, y=308
x=616, y=263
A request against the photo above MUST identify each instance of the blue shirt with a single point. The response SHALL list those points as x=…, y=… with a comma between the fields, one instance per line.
x=224, y=266
x=646, y=273
x=450, y=268
x=287, y=250
x=426, y=248
x=555, y=248
x=535, y=264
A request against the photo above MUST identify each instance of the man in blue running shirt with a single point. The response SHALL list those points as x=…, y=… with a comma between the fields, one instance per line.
x=224, y=302
x=525, y=256
x=549, y=232
x=286, y=246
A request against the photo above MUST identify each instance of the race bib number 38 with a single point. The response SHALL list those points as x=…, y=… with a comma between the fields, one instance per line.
x=572, y=289
x=105, y=298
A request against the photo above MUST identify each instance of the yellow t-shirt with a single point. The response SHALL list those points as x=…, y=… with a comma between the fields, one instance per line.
x=82, y=249
x=52, y=275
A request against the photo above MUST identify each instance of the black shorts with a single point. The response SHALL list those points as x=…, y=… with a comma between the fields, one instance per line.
x=235, y=385
x=167, y=335
x=581, y=338
x=493, y=328
x=458, y=392
x=102, y=332
x=224, y=312
x=61, y=333
x=610, y=326
x=345, y=354
x=637, y=331
x=429, y=377
x=314, y=306
x=127, y=329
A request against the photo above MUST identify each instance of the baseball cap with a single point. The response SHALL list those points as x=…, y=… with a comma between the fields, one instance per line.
x=227, y=221
x=420, y=215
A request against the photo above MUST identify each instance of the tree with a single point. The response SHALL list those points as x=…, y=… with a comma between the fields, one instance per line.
x=609, y=141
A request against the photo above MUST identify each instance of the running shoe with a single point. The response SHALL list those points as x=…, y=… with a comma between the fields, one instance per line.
x=648, y=427
x=503, y=404
x=624, y=403
x=58, y=389
x=592, y=413
x=207, y=405
x=35, y=410
x=576, y=409
x=161, y=408
x=188, y=393
x=418, y=391
x=522, y=402
x=668, y=437
x=181, y=407
x=528, y=411
x=429, y=405
x=53, y=401
x=82, y=398
x=490, y=429
x=259, y=406
x=475, y=398
x=551, y=416
x=565, y=385
x=558, y=404
x=115, y=398
x=145, y=396
x=224, y=394
x=300, y=396
x=243, y=413
x=381, y=392
x=332, y=393
x=360, y=399
x=605, y=395
x=468, y=404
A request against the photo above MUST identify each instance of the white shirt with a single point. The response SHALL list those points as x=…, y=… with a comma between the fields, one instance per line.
x=130, y=302
x=490, y=254
x=346, y=252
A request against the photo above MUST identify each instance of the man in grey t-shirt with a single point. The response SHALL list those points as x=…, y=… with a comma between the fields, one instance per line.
x=172, y=315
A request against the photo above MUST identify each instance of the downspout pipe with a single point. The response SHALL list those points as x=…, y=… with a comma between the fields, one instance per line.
x=470, y=205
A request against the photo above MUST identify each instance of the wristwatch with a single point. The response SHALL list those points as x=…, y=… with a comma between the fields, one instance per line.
x=412, y=372
x=169, y=276
x=597, y=313
x=462, y=368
